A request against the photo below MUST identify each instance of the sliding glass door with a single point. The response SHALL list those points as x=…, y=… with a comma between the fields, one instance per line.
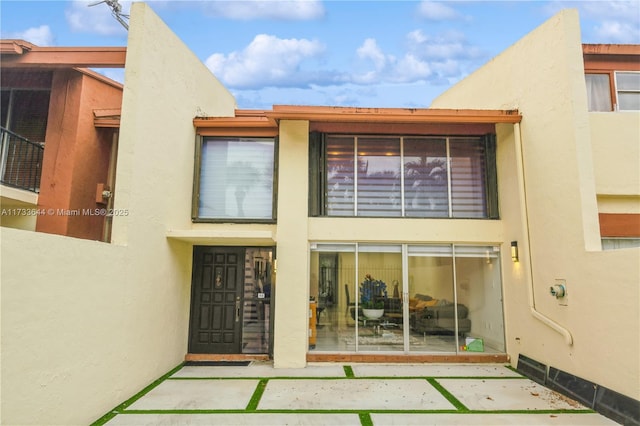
x=407, y=298
x=431, y=298
x=379, y=321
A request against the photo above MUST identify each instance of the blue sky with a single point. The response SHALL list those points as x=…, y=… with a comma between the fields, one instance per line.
x=345, y=53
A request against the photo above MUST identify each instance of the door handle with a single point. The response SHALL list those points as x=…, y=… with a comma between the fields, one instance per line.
x=237, y=309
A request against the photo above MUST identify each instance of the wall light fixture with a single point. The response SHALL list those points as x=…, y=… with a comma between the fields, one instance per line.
x=514, y=251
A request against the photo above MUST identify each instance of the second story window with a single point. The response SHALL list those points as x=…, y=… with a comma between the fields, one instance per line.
x=403, y=176
x=598, y=92
x=613, y=91
x=628, y=91
x=235, y=180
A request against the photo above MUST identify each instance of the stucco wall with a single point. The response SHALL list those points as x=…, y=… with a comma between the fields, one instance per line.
x=615, y=140
x=166, y=86
x=292, y=287
x=15, y=203
x=65, y=307
x=86, y=325
x=542, y=76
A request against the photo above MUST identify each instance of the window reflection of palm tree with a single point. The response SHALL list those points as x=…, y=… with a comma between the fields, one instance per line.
x=426, y=180
x=243, y=181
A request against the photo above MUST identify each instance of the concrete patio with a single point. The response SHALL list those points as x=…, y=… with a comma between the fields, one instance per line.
x=350, y=394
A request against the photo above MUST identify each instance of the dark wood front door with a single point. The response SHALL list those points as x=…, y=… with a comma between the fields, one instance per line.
x=216, y=300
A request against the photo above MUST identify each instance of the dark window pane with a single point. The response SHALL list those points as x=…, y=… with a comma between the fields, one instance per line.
x=425, y=177
x=340, y=176
x=379, y=192
x=29, y=111
x=4, y=108
x=468, y=178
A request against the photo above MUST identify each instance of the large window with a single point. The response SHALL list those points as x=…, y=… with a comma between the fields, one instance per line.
x=402, y=176
x=403, y=298
x=622, y=95
x=235, y=180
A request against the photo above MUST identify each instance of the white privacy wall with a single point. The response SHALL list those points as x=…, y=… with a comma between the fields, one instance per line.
x=86, y=325
x=542, y=76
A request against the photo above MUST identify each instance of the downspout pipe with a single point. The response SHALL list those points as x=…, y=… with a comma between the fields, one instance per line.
x=524, y=217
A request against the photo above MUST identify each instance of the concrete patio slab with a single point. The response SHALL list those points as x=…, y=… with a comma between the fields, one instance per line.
x=327, y=394
x=561, y=419
x=260, y=369
x=352, y=394
x=432, y=370
x=254, y=419
x=198, y=395
x=500, y=394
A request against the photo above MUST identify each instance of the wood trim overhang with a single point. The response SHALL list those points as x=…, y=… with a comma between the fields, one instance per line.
x=20, y=54
x=109, y=118
x=14, y=47
x=100, y=77
x=609, y=57
x=621, y=225
x=243, y=124
x=341, y=119
x=611, y=49
x=392, y=115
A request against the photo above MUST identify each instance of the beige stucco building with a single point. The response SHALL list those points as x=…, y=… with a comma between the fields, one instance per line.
x=263, y=234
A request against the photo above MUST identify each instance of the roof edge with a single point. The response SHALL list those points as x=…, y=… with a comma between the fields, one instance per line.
x=611, y=49
x=396, y=115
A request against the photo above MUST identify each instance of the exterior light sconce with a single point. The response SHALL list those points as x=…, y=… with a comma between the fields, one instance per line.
x=514, y=251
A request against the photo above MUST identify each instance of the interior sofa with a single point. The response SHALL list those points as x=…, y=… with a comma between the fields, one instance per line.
x=432, y=316
x=427, y=315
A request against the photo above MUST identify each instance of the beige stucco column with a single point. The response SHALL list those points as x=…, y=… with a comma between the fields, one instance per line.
x=292, y=289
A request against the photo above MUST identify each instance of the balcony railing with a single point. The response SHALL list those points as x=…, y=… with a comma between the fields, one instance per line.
x=21, y=164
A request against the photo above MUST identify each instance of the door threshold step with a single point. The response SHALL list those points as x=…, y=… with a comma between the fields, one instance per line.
x=226, y=357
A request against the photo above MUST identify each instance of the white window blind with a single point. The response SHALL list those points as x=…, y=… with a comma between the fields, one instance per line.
x=406, y=176
x=340, y=176
x=598, y=92
x=378, y=182
x=467, y=178
x=425, y=177
x=236, y=178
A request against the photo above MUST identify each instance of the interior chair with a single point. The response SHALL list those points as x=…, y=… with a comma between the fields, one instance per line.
x=348, y=299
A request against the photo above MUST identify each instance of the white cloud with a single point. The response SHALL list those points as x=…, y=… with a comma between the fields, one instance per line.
x=40, y=36
x=437, y=11
x=617, y=32
x=259, y=9
x=627, y=10
x=94, y=19
x=442, y=58
x=616, y=21
x=410, y=69
x=370, y=50
x=267, y=61
x=451, y=44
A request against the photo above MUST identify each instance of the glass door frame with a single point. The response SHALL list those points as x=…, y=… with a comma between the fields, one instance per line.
x=453, y=249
